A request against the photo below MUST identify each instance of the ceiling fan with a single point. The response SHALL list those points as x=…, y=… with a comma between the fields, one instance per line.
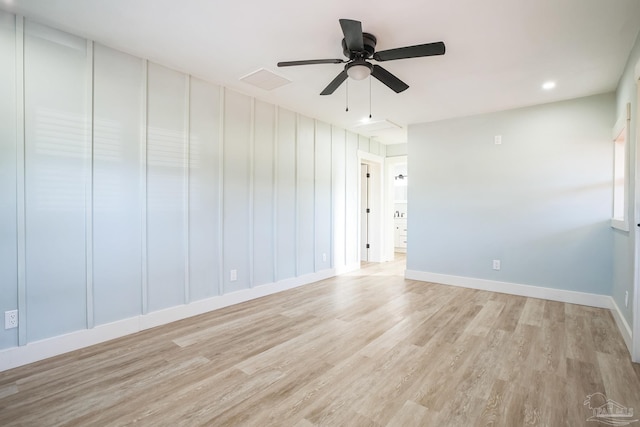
x=360, y=47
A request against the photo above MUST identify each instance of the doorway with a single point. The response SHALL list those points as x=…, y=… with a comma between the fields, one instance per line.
x=397, y=180
x=400, y=182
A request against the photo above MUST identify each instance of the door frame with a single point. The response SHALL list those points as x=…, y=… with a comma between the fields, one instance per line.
x=391, y=163
x=635, y=312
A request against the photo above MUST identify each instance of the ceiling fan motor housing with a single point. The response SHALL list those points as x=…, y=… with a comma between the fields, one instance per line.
x=359, y=62
x=369, y=42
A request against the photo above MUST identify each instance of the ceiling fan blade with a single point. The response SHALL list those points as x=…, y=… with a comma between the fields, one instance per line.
x=310, y=62
x=352, y=31
x=335, y=83
x=389, y=79
x=429, y=49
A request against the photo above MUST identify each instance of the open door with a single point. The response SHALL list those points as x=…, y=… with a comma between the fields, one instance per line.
x=370, y=201
x=365, y=211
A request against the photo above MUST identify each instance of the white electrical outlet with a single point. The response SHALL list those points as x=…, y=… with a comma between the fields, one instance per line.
x=496, y=264
x=234, y=275
x=626, y=298
x=11, y=319
x=497, y=139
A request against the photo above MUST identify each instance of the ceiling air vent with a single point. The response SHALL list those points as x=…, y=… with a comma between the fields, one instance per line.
x=265, y=79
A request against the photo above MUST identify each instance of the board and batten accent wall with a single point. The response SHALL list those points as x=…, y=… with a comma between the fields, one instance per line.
x=130, y=191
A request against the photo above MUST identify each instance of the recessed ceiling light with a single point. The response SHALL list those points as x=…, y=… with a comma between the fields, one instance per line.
x=548, y=85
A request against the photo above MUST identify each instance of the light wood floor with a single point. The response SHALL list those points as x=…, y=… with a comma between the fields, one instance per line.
x=368, y=348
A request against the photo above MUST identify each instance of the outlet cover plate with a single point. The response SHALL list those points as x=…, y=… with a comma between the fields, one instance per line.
x=11, y=319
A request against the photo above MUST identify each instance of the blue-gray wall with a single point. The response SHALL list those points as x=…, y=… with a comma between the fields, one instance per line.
x=136, y=188
x=540, y=202
x=624, y=241
x=8, y=175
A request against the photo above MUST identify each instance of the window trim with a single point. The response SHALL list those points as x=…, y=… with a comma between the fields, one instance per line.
x=622, y=125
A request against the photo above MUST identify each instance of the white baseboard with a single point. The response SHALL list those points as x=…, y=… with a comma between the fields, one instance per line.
x=39, y=350
x=623, y=326
x=561, y=295
x=573, y=297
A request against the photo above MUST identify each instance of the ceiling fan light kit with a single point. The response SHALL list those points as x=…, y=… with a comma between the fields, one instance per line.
x=359, y=70
x=360, y=47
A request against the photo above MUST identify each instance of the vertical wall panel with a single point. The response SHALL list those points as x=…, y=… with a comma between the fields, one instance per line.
x=237, y=136
x=382, y=150
x=305, y=195
x=374, y=147
x=204, y=144
x=56, y=150
x=363, y=143
x=338, y=168
x=263, y=194
x=352, y=172
x=8, y=178
x=286, y=195
x=166, y=186
x=323, y=196
x=118, y=82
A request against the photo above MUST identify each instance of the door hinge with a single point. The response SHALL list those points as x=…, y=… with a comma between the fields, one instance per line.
x=367, y=246
x=368, y=175
x=368, y=210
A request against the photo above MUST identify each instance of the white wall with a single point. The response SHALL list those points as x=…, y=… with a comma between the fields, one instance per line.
x=540, y=202
x=142, y=187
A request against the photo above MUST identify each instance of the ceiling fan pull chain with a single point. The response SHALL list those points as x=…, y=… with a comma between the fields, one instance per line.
x=347, y=109
x=369, y=96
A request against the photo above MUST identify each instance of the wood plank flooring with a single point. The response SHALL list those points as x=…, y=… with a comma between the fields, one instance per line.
x=363, y=349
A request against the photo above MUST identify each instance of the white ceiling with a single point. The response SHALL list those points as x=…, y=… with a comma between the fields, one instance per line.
x=499, y=52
